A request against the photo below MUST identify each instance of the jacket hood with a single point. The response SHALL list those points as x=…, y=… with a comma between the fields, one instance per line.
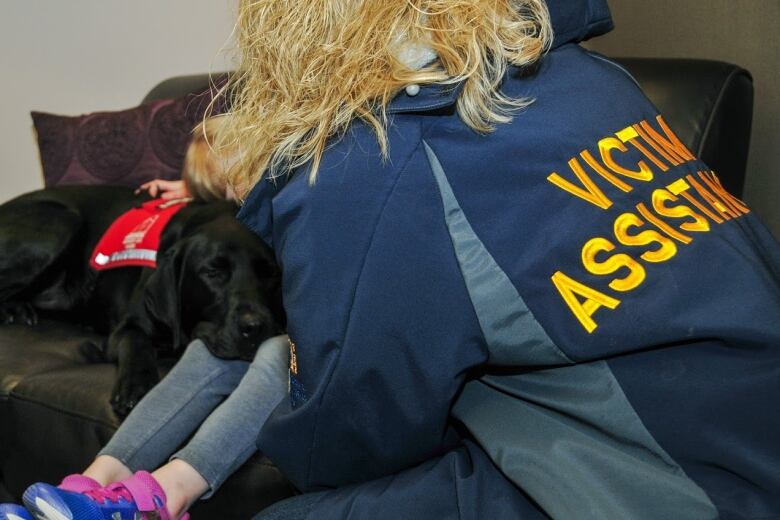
x=574, y=21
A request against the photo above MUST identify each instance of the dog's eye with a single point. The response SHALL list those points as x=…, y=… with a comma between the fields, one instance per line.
x=213, y=273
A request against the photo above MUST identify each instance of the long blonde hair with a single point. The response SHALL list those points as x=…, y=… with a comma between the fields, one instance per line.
x=310, y=67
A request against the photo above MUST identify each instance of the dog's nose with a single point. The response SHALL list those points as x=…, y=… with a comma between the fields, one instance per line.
x=249, y=325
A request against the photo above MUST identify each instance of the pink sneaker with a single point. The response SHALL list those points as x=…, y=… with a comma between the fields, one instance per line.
x=138, y=497
x=78, y=483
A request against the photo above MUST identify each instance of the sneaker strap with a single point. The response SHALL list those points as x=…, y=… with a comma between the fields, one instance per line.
x=143, y=488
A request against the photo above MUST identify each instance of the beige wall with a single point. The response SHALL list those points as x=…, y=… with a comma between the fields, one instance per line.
x=739, y=31
x=78, y=56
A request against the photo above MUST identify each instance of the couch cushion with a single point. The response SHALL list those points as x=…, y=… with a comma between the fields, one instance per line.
x=47, y=346
x=25, y=351
x=81, y=391
x=125, y=147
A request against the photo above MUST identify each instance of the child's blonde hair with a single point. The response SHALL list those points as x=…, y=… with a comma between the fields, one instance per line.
x=204, y=172
x=310, y=67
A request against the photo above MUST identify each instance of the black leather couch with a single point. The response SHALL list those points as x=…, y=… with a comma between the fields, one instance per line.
x=54, y=412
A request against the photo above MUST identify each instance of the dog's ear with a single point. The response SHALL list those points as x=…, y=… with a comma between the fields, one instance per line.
x=162, y=291
x=195, y=215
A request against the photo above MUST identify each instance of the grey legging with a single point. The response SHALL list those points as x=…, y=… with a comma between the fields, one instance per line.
x=225, y=403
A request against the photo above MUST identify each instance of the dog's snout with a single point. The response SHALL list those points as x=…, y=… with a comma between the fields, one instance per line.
x=250, y=324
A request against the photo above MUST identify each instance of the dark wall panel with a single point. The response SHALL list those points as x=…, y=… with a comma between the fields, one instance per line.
x=745, y=32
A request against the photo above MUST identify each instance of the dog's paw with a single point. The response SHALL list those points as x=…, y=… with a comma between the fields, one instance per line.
x=15, y=312
x=129, y=389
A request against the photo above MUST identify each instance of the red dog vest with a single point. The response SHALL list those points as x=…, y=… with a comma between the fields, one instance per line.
x=134, y=237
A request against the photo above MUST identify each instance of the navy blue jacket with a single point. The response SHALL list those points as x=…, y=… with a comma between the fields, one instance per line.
x=568, y=317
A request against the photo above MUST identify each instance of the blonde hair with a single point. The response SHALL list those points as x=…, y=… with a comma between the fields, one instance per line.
x=310, y=67
x=204, y=171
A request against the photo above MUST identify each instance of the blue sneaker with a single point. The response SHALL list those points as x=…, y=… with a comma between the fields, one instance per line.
x=14, y=512
x=138, y=498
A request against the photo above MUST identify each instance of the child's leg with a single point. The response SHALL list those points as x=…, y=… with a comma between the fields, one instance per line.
x=228, y=437
x=168, y=414
x=164, y=418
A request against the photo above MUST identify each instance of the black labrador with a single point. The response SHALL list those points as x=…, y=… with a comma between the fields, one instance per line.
x=215, y=280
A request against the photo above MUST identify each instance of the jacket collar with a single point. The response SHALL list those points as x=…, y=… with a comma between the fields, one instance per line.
x=430, y=97
x=573, y=21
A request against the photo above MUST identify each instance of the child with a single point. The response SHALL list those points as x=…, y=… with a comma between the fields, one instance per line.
x=224, y=403
x=203, y=174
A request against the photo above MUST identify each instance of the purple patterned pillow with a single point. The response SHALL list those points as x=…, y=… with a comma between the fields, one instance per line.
x=128, y=147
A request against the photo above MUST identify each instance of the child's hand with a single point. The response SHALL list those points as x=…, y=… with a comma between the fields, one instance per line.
x=165, y=189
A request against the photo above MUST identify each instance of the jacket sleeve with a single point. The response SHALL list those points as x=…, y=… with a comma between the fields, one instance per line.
x=256, y=212
x=462, y=484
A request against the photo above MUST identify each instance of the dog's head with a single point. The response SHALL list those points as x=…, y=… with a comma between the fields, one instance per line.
x=216, y=281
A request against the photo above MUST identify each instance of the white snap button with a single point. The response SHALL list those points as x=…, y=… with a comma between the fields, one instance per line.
x=413, y=89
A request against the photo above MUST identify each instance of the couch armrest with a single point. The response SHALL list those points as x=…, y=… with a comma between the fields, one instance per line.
x=709, y=104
